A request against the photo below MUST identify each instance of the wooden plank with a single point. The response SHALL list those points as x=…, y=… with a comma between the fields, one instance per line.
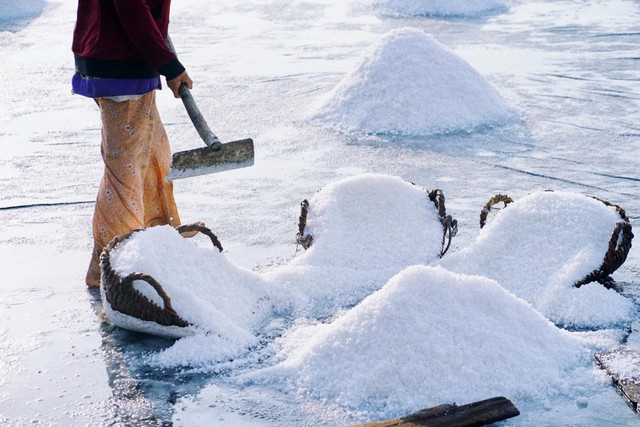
x=450, y=415
x=623, y=366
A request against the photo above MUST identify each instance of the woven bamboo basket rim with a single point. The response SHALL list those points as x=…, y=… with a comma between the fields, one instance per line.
x=123, y=297
x=617, y=251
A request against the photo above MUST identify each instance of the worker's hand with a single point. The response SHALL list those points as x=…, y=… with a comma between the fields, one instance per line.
x=174, y=84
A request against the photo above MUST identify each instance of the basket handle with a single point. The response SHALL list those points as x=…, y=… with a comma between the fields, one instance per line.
x=128, y=281
x=201, y=229
x=619, y=246
x=493, y=201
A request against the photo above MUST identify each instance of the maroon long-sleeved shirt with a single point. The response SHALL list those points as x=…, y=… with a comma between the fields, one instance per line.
x=124, y=39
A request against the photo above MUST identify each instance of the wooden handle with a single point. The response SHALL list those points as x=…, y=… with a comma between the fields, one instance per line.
x=209, y=138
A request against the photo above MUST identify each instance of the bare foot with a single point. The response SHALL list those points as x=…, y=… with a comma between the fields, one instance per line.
x=93, y=273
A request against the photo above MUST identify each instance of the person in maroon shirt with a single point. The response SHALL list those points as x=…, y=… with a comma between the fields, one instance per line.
x=120, y=52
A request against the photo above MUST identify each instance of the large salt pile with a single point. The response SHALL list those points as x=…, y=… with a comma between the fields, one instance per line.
x=449, y=336
x=409, y=83
x=365, y=229
x=443, y=8
x=539, y=247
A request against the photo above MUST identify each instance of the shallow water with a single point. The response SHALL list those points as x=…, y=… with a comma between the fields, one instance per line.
x=569, y=67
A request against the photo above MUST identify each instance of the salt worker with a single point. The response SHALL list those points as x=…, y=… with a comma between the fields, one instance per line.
x=120, y=52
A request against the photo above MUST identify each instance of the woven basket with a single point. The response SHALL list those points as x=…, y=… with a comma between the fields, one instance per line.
x=124, y=298
x=619, y=243
x=449, y=225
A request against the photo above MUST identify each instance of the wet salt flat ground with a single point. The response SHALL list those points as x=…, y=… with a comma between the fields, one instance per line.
x=569, y=68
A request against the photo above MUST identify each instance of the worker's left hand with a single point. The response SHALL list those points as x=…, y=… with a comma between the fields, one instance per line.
x=174, y=84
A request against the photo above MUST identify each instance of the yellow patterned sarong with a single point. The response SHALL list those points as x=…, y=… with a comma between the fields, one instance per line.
x=133, y=193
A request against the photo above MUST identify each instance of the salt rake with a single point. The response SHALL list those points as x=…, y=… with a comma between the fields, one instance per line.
x=216, y=156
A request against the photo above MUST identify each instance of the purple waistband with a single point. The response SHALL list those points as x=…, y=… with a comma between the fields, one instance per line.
x=93, y=87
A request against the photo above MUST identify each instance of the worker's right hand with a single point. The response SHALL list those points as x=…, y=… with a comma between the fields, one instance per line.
x=174, y=84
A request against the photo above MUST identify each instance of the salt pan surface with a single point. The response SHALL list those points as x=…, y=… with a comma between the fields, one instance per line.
x=10, y=10
x=444, y=8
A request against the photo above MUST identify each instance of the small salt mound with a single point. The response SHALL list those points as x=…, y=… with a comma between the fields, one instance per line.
x=450, y=336
x=444, y=8
x=372, y=221
x=365, y=229
x=542, y=244
x=408, y=83
x=206, y=289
